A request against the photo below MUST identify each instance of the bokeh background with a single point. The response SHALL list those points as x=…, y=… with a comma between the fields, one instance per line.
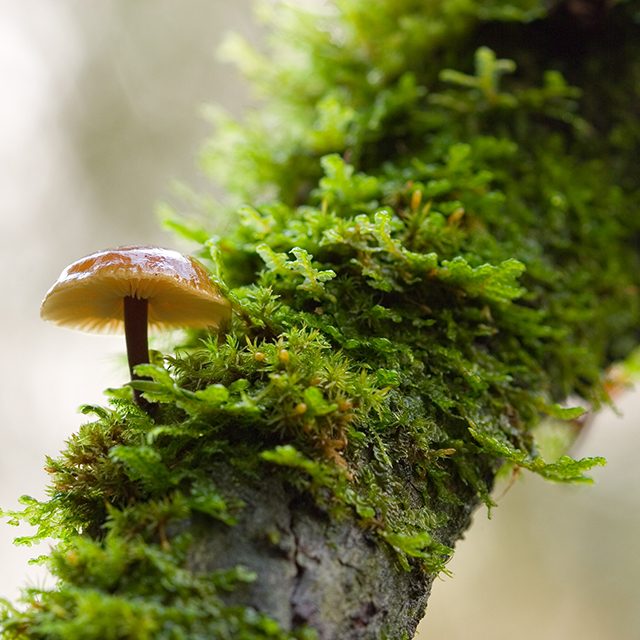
x=100, y=115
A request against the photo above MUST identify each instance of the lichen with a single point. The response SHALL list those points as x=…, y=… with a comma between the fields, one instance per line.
x=442, y=247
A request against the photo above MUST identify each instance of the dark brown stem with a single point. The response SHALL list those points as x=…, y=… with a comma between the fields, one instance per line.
x=135, y=331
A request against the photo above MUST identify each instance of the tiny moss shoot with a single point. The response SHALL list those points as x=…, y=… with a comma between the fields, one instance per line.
x=441, y=248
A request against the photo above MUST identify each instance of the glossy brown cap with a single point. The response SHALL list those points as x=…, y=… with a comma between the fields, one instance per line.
x=89, y=294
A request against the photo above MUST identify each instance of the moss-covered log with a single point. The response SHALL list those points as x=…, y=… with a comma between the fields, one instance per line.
x=441, y=250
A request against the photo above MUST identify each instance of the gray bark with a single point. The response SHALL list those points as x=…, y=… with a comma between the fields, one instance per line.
x=314, y=570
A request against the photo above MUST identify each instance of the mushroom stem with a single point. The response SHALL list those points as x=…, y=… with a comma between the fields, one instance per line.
x=135, y=331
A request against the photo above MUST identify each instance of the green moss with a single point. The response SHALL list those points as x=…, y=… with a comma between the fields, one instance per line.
x=442, y=247
x=124, y=587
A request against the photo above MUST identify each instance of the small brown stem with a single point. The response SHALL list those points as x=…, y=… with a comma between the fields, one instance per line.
x=135, y=331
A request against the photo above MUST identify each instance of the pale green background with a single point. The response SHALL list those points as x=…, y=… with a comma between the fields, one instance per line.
x=99, y=114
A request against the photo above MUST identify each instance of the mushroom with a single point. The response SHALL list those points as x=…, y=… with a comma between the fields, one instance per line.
x=133, y=287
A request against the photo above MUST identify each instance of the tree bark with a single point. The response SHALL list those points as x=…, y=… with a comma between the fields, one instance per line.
x=313, y=569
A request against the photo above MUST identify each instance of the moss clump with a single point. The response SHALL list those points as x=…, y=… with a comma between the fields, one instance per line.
x=442, y=247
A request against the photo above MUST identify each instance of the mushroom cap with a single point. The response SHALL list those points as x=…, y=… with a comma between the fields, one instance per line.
x=89, y=294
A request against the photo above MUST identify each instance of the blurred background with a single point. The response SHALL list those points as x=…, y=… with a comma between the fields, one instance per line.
x=100, y=115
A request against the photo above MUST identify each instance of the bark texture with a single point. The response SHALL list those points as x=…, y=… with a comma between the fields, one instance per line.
x=313, y=569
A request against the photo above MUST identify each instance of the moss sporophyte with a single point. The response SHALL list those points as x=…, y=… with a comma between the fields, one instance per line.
x=441, y=249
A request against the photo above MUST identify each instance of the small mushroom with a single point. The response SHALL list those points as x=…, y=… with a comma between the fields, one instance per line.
x=133, y=287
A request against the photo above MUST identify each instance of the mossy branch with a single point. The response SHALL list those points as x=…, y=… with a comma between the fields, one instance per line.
x=441, y=250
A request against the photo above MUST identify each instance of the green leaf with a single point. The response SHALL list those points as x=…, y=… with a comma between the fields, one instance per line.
x=144, y=464
x=214, y=394
x=563, y=413
x=206, y=499
x=316, y=402
x=419, y=545
x=342, y=185
x=496, y=283
x=565, y=469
